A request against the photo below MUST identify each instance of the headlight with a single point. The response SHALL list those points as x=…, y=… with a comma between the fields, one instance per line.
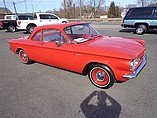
x=134, y=63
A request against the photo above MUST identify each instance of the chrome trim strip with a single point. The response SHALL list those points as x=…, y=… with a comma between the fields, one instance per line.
x=138, y=70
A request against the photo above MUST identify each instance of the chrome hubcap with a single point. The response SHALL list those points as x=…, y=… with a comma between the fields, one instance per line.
x=100, y=76
x=31, y=29
x=24, y=56
x=140, y=30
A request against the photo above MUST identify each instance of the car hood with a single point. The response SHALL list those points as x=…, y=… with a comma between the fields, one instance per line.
x=117, y=47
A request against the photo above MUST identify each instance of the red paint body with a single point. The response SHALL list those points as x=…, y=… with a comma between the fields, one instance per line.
x=115, y=52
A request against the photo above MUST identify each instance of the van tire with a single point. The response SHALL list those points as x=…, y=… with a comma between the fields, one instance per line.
x=140, y=29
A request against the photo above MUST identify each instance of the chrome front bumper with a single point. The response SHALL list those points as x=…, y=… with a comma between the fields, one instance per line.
x=138, y=70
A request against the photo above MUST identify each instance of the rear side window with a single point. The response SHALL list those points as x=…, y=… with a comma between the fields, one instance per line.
x=42, y=16
x=26, y=18
x=140, y=13
x=47, y=16
x=8, y=17
x=22, y=18
x=37, y=36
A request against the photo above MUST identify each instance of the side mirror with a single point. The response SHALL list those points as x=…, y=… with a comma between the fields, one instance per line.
x=58, y=43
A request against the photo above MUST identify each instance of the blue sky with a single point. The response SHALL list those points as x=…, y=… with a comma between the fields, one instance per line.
x=44, y=5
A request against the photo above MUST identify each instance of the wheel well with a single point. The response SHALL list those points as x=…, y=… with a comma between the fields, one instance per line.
x=64, y=21
x=31, y=24
x=11, y=25
x=146, y=24
x=85, y=70
x=18, y=50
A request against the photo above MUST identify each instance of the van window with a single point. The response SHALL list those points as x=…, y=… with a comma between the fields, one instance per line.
x=140, y=13
x=155, y=13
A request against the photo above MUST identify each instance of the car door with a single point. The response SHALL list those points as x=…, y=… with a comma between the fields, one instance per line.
x=46, y=19
x=56, y=55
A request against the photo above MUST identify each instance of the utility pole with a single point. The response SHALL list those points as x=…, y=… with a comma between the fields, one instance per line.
x=65, y=11
x=94, y=9
x=142, y=3
x=81, y=10
x=26, y=7
x=5, y=6
x=15, y=7
x=74, y=10
x=32, y=7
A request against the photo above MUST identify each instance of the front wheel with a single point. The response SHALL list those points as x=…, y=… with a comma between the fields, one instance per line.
x=101, y=76
x=24, y=58
x=30, y=28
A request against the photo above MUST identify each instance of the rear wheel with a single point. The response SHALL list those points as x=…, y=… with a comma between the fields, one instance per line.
x=24, y=58
x=101, y=76
x=12, y=28
x=140, y=29
x=30, y=28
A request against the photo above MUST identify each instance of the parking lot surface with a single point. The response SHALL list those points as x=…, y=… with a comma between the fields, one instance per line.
x=41, y=91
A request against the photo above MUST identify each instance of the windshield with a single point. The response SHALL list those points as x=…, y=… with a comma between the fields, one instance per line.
x=81, y=33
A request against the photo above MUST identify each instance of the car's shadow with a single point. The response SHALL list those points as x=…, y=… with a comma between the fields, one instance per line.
x=105, y=107
x=127, y=30
x=151, y=31
x=25, y=32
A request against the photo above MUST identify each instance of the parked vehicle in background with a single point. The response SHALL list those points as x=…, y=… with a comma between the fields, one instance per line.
x=10, y=25
x=104, y=59
x=10, y=21
x=141, y=18
x=29, y=23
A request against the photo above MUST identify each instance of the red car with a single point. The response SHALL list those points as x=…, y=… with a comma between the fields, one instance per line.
x=80, y=48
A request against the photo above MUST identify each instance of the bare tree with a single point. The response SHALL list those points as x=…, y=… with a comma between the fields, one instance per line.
x=93, y=6
x=90, y=8
x=146, y=2
x=69, y=8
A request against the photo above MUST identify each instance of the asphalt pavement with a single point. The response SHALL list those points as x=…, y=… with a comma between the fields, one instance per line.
x=41, y=91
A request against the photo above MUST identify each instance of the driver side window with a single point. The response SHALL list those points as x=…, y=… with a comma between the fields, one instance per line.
x=52, y=35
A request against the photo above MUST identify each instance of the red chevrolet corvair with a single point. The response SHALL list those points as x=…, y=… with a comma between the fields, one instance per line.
x=80, y=48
